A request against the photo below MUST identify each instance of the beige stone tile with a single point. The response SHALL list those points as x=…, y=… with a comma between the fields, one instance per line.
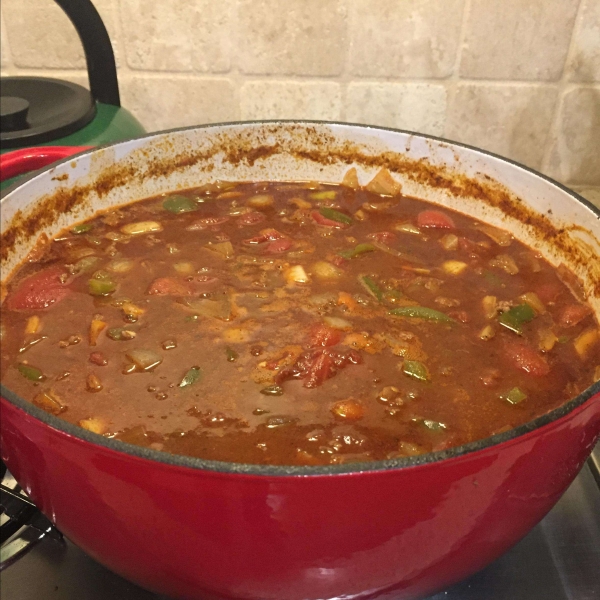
x=292, y=37
x=4, y=49
x=417, y=107
x=510, y=120
x=584, y=65
x=517, y=39
x=575, y=153
x=40, y=35
x=178, y=35
x=290, y=100
x=408, y=38
x=166, y=102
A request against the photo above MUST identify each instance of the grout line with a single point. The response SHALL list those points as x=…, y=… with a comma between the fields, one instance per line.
x=552, y=135
x=454, y=79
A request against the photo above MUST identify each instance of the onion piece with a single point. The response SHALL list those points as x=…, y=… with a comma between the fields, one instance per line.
x=547, y=340
x=93, y=424
x=216, y=308
x=120, y=265
x=490, y=307
x=143, y=359
x=351, y=179
x=398, y=253
x=384, y=184
x=501, y=237
x=449, y=242
x=534, y=301
x=141, y=227
x=184, y=268
x=260, y=201
x=33, y=325
x=225, y=249
x=585, y=341
x=338, y=323
x=506, y=263
x=454, y=267
x=296, y=274
x=322, y=299
x=408, y=228
x=326, y=270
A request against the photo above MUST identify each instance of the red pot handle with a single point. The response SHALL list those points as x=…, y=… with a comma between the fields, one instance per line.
x=29, y=159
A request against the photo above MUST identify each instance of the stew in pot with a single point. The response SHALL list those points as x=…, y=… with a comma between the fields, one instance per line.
x=294, y=323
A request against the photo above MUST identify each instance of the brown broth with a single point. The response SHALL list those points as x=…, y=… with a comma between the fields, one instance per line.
x=279, y=382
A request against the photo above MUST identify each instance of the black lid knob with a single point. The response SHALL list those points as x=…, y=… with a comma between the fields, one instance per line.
x=13, y=113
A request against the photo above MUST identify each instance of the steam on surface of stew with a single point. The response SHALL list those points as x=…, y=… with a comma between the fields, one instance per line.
x=294, y=324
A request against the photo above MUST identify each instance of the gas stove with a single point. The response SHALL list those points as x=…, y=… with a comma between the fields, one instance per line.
x=557, y=560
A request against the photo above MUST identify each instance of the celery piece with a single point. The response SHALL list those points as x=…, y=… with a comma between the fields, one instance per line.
x=421, y=312
x=79, y=229
x=324, y=195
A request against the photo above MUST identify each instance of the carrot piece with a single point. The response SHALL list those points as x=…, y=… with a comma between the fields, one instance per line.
x=346, y=299
x=96, y=328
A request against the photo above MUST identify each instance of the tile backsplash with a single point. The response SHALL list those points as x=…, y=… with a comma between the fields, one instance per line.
x=517, y=77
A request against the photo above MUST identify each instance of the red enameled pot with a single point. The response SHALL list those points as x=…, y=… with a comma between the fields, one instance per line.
x=393, y=529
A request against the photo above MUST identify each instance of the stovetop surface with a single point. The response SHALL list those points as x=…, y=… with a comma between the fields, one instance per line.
x=558, y=560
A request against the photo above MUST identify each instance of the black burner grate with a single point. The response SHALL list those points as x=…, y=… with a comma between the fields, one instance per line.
x=22, y=525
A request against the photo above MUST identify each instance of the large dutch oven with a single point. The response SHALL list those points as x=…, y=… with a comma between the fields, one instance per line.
x=399, y=528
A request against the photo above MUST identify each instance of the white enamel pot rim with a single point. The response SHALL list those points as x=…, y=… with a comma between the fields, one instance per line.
x=322, y=151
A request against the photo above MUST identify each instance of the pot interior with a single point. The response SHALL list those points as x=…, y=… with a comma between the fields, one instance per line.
x=563, y=227
x=541, y=213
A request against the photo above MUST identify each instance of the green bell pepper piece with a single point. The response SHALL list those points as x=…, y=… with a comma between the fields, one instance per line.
x=515, y=396
x=31, y=373
x=335, y=215
x=515, y=317
x=191, y=377
x=179, y=204
x=357, y=251
x=415, y=369
x=371, y=287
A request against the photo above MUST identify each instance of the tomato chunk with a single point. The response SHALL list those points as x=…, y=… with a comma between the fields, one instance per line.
x=321, y=220
x=251, y=218
x=169, y=286
x=317, y=365
x=41, y=290
x=383, y=237
x=572, y=314
x=549, y=292
x=435, y=219
x=279, y=246
x=207, y=223
x=322, y=335
x=524, y=357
